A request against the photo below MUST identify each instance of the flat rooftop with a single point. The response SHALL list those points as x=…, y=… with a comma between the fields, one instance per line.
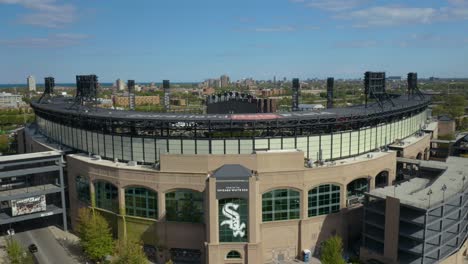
x=11, y=194
x=108, y=163
x=30, y=156
x=432, y=126
x=408, y=141
x=356, y=159
x=415, y=191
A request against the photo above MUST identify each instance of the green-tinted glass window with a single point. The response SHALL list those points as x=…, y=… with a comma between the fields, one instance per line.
x=233, y=255
x=233, y=220
x=184, y=206
x=281, y=204
x=357, y=187
x=82, y=189
x=324, y=199
x=141, y=202
x=106, y=196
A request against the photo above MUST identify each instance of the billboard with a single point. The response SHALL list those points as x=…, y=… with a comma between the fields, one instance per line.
x=28, y=205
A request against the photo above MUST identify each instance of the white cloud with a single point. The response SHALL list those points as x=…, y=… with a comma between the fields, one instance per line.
x=390, y=15
x=430, y=40
x=336, y=5
x=458, y=2
x=311, y=27
x=357, y=44
x=45, y=13
x=51, y=41
x=275, y=29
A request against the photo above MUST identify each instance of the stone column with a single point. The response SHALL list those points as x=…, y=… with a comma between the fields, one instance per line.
x=212, y=213
x=161, y=206
x=92, y=193
x=254, y=209
x=253, y=249
x=122, y=213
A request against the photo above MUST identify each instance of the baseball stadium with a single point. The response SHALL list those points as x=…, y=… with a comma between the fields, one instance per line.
x=236, y=187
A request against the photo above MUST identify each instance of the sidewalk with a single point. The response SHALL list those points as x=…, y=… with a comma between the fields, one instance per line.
x=69, y=242
x=3, y=253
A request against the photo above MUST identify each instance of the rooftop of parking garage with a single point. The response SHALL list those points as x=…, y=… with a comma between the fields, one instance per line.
x=29, y=156
x=415, y=192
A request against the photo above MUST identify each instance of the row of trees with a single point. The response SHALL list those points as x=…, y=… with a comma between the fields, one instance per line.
x=97, y=241
x=451, y=105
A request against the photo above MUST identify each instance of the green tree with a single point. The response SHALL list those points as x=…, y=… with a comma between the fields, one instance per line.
x=451, y=105
x=332, y=251
x=95, y=234
x=129, y=252
x=16, y=254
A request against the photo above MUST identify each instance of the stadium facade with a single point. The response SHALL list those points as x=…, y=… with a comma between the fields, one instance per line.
x=231, y=188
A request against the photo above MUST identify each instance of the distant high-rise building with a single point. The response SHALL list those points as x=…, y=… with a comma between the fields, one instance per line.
x=120, y=84
x=224, y=79
x=31, y=83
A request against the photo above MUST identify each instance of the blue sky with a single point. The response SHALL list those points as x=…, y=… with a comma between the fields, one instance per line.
x=188, y=40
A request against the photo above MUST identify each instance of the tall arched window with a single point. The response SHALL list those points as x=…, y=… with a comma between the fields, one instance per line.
x=141, y=202
x=281, y=204
x=184, y=206
x=106, y=196
x=324, y=199
x=82, y=189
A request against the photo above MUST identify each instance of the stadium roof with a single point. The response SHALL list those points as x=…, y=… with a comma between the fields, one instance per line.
x=59, y=105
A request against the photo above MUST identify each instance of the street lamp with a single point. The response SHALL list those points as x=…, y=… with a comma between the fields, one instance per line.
x=369, y=178
x=394, y=189
x=463, y=184
x=444, y=188
x=429, y=194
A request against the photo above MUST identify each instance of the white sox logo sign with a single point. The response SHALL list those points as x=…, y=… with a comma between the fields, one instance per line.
x=234, y=219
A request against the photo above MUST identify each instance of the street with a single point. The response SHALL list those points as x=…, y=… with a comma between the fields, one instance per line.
x=49, y=250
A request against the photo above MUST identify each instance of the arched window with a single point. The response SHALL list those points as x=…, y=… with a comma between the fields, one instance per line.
x=233, y=255
x=141, y=202
x=233, y=220
x=281, y=204
x=106, y=196
x=381, y=180
x=82, y=189
x=324, y=199
x=357, y=187
x=419, y=156
x=184, y=206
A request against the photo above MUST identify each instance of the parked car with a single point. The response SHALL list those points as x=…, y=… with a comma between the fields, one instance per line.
x=32, y=248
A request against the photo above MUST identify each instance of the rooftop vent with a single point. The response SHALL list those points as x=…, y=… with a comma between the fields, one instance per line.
x=96, y=157
x=132, y=163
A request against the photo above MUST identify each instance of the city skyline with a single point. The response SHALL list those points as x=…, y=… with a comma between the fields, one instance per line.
x=287, y=38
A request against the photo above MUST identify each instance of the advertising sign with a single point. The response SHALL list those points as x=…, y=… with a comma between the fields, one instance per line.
x=28, y=205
